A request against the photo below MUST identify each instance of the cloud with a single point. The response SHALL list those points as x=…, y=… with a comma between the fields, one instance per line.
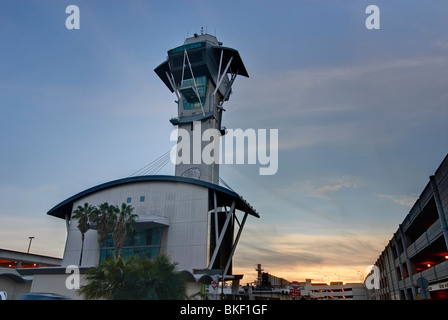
x=325, y=190
x=321, y=187
x=17, y=198
x=346, y=105
x=49, y=233
x=405, y=201
x=23, y=214
x=441, y=44
x=301, y=256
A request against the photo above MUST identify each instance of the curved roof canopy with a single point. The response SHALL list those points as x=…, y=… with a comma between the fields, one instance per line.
x=228, y=55
x=225, y=196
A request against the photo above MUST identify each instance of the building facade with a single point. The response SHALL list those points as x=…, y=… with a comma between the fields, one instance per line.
x=192, y=221
x=13, y=265
x=414, y=264
x=189, y=217
x=333, y=291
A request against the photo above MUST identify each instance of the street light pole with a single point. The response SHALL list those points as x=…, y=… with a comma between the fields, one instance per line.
x=29, y=246
x=222, y=286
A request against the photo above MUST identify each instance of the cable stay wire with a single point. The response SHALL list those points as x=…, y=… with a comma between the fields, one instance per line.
x=155, y=166
x=149, y=166
x=226, y=185
x=159, y=163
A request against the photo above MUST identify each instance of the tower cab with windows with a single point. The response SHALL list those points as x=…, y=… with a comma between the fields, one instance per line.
x=201, y=73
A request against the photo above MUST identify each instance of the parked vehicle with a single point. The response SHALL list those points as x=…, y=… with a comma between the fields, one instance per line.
x=41, y=296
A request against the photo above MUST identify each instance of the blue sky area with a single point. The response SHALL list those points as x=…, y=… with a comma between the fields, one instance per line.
x=361, y=115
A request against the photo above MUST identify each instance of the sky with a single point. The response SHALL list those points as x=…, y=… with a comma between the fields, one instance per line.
x=361, y=116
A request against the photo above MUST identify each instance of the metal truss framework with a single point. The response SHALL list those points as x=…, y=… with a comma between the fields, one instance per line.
x=219, y=234
x=221, y=76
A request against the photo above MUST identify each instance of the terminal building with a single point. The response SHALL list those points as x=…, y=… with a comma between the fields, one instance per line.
x=414, y=264
x=12, y=263
x=187, y=216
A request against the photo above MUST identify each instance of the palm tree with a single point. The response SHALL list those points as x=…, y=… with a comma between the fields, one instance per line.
x=83, y=213
x=171, y=284
x=124, y=226
x=104, y=279
x=104, y=217
x=134, y=279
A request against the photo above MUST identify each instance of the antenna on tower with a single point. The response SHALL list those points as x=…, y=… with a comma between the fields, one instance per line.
x=202, y=30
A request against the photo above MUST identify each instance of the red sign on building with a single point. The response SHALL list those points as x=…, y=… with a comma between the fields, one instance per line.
x=294, y=291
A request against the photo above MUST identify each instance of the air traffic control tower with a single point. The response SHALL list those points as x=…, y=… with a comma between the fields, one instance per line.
x=188, y=216
x=201, y=73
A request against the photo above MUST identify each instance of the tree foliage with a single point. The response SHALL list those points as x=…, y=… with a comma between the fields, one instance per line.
x=117, y=278
x=105, y=218
x=134, y=279
x=124, y=225
x=83, y=213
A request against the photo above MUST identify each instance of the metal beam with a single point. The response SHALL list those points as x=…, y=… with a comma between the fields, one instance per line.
x=221, y=236
x=223, y=75
x=229, y=88
x=216, y=217
x=219, y=68
x=172, y=83
x=194, y=81
x=235, y=243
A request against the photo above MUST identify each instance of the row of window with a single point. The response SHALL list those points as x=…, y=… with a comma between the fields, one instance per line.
x=129, y=199
x=142, y=242
x=201, y=85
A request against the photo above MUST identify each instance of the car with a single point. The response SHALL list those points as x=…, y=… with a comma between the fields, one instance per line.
x=3, y=295
x=41, y=296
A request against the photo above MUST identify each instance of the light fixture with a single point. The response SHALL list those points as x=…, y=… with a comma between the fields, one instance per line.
x=29, y=245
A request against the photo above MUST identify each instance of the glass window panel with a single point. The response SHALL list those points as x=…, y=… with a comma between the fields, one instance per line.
x=201, y=84
x=143, y=243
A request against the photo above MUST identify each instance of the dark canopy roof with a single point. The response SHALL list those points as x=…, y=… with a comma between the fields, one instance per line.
x=224, y=195
x=236, y=66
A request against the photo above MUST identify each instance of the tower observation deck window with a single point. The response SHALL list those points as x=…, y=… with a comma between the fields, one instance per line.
x=190, y=46
x=187, y=89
